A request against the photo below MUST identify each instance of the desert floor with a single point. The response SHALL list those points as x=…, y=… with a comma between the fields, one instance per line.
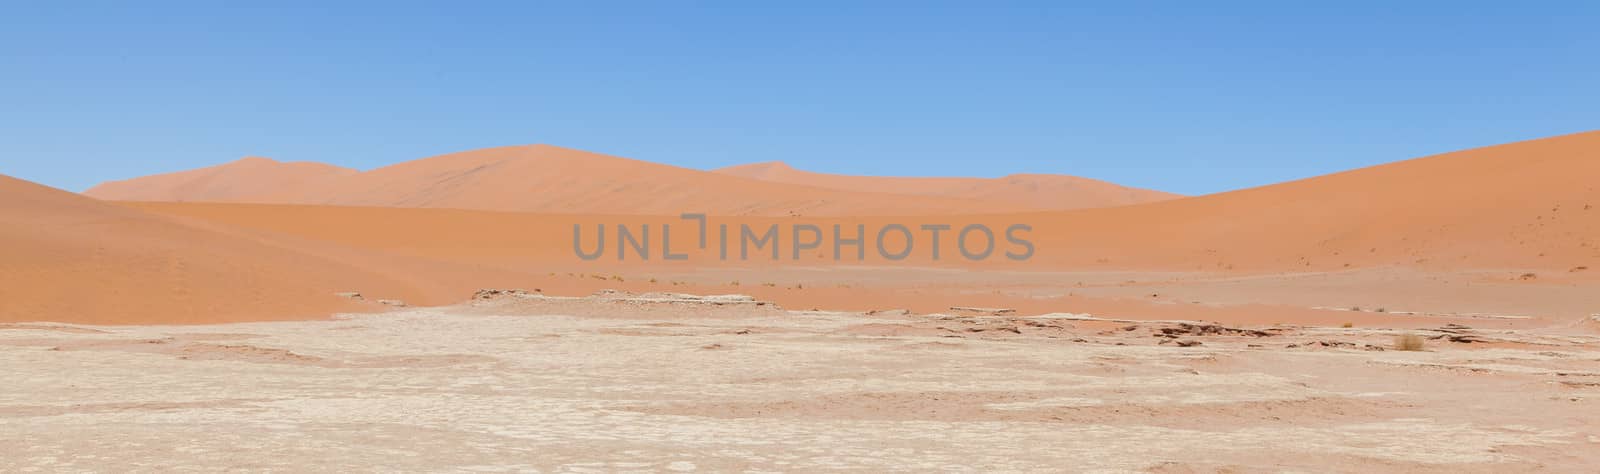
x=662, y=382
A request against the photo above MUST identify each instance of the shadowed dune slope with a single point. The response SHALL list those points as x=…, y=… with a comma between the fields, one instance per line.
x=1018, y=192
x=68, y=258
x=244, y=180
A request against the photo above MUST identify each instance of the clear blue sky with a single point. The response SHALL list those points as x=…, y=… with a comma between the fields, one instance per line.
x=1190, y=97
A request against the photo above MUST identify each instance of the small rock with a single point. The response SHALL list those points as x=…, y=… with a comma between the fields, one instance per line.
x=490, y=293
x=991, y=311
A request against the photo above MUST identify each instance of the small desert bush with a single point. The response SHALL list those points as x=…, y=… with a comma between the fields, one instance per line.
x=1348, y=325
x=1408, y=342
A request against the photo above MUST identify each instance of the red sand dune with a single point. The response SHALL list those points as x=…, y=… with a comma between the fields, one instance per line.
x=1018, y=192
x=1526, y=205
x=71, y=258
x=538, y=178
x=1529, y=206
x=240, y=181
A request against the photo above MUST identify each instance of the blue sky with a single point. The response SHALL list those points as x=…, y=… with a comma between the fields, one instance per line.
x=1189, y=97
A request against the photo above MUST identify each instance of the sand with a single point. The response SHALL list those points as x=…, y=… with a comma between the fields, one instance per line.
x=325, y=319
x=1515, y=223
x=1013, y=193
x=540, y=179
x=75, y=259
x=238, y=181
x=1505, y=230
x=512, y=383
x=1523, y=206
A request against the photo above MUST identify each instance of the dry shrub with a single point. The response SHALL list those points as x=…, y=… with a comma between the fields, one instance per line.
x=1408, y=342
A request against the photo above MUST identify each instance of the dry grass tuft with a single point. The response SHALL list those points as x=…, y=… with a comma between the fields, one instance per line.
x=1408, y=342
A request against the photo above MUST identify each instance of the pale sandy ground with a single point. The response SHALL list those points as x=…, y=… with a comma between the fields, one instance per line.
x=517, y=383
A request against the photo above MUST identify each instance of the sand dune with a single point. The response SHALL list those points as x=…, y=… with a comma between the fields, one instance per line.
x=1525, y=205
x=1503, y=211
x=239, y=181
x=74, y=259
x=1518, y=220
x=1528, y=205
x=542, y=178
x=1018, y=192
x=534, y=178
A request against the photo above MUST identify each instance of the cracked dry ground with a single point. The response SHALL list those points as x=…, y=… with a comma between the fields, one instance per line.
x=604, y=387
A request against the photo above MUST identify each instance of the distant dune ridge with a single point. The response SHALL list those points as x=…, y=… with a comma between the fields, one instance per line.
x=1017, y=191
x=1530, y=207
x=244, y=180
x=1525, y=205
x=549, y=179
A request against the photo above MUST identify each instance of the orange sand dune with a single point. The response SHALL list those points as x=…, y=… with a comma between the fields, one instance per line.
x=1523, y=207
x=240, y=181
x=1480, y=219
x=539, y=178
x=1528, y=205
x=65, y=257
x=1012, y=193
